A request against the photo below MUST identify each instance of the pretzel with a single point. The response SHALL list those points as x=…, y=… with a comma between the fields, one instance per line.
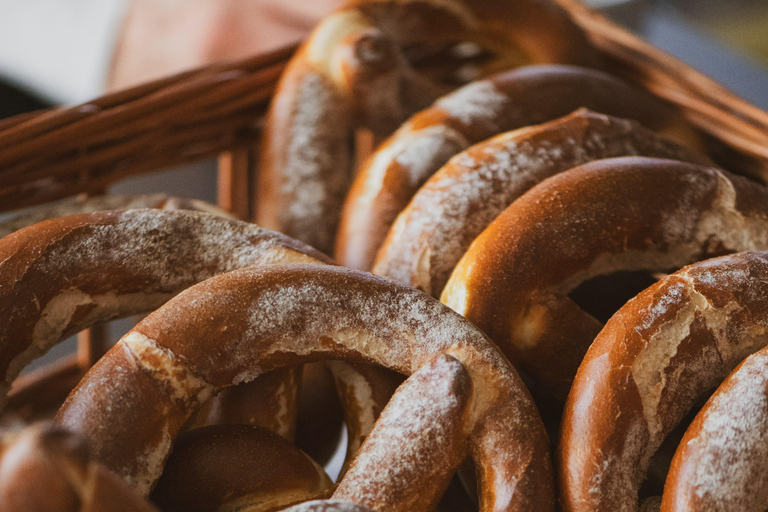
x=46, y=468
x=372, y=63
x=328, y=506
x=457, y=203
x=107, y=202
x=235, y=326
x=660, y=352
x=720, y=464
x=628, y=213
x=63, y=275
x=237, y=467
x=257, y=403
x=364, y=391
x=476, y=112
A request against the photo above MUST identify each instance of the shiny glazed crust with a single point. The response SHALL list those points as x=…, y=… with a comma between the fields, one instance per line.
x=261, y=318
x=354, y=70
x=659, y=353
x=476, y=112
x=455, y=205
x=721, y=463
x=616, y=214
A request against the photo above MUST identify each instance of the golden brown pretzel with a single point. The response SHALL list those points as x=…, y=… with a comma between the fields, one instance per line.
x=372, y=63
x=720, y=464
x=264, y=317
x=107, y=202
x=257, y=403
x=63, y=275
x=480, y=110
x=364, y=390
x=458, y=202
x=663, y=349
x=48, y=469
x=235, y=467
x=328, y=506
x=618, y=214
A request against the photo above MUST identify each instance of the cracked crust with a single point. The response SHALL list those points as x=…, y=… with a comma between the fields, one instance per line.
x=720, y=464
x=63, y=275
x=654, y=358
x=616, y=214
x=235, y=326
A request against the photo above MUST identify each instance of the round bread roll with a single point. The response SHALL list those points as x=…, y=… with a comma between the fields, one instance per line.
x=237, y=467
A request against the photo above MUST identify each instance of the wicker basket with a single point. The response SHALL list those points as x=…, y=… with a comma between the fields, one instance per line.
x=217, y=111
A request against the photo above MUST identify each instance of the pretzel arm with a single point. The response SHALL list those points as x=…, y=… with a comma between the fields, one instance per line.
x=474, y=113
x=455, y=205
x=660, y=352
x=616, y=214
x=269, y=317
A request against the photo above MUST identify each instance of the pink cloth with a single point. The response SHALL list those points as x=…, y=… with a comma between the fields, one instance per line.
x=163, y=37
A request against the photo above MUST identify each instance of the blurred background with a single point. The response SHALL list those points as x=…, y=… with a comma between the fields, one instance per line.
x=64, y=52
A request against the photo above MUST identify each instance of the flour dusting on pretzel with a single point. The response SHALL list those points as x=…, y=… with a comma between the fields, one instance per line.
x=474, y=113
x=455, y=205
x=656, y=356
x=618, y=214
x=372, y=64
x=237, y=325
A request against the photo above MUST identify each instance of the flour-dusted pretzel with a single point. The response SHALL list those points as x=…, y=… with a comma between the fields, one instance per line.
x=480, y=110
x=455, y=205
x=235, y=326
x=48, y=469
x=611, y=215
x=237, y=467
x=661, y=351
x=373, y=63
x=364, y=391
x=269, y=402
x=720, y=464
x=100, y=203
x=63, y=275
x=328, y=506
x=430, y=413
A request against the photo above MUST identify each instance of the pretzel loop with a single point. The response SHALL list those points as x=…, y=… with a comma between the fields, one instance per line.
x=263, y=318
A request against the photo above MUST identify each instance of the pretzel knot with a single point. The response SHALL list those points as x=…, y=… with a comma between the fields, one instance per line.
x=373, y=63
x=463, y=397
